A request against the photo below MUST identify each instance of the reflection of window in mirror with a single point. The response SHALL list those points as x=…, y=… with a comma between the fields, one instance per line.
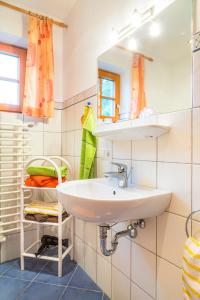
x=109, y=95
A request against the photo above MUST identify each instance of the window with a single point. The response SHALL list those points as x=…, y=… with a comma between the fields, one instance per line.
x=109, y=95
x=12, y=76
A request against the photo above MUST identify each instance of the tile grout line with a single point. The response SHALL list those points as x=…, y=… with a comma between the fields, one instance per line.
x=131, y=242
x=90, y=290
x=48, y=283
x=28, y=285
x=96, y=253
x=156, y=286
x=144, y=160
x=141, y=288
x=64, y=290
x=170, y=262
x=111, y=259
x=132, y=281
x=191, y=168
x=2, y=274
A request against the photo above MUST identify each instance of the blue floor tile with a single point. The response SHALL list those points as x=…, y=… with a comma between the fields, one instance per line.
x=15, y=284
x=81, y=280
x=80, y=294
x=5, y=266
x=32, y=267
x=40, y=291
x=50, y=274
x=10, y=288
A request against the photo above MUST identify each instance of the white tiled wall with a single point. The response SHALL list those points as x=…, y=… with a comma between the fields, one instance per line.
x=148, y=267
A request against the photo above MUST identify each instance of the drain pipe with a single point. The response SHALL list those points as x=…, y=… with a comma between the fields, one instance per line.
x=131, y=231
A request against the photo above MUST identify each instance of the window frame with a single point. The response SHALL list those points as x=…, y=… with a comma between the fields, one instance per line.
x=116, y=78
x=21, y=53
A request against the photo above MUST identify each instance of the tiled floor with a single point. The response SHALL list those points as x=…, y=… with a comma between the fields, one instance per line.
x=40, y=282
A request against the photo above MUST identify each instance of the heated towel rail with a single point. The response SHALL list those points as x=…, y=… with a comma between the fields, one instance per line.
x=15, y=150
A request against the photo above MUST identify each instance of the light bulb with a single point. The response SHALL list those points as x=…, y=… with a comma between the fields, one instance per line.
x=132, y=44
x=114, y=35
x=136, y=19
x=154, y=29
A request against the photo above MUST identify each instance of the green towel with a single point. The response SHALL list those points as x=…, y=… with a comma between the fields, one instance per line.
x=46, y=171
x=88, y=148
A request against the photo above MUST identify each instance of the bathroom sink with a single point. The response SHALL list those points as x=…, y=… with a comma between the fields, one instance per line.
x=101, y=201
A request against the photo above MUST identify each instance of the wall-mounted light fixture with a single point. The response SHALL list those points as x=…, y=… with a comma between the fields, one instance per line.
x=137, y=19
x=154, y=29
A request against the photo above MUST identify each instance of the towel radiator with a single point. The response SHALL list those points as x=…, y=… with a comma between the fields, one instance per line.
x=15, y=150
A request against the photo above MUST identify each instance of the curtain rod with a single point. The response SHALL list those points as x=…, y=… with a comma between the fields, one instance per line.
x=30, y=13
x=146, y=57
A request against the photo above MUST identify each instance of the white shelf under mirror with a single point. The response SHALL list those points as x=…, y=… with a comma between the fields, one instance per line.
x=131, y=129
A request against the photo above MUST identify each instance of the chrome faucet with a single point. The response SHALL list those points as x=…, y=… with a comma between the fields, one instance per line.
x=121, y=174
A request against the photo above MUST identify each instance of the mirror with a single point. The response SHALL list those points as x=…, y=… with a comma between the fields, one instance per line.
x=164, y=43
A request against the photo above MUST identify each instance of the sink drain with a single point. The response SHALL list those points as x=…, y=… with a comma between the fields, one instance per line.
x=114, y=192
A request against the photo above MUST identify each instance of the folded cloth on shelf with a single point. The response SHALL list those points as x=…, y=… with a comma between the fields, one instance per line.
x=45, y=218
x=42, y=181
x=46, y=171
x=41, y=207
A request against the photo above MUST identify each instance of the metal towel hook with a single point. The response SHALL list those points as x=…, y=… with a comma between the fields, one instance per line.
x=187, y=221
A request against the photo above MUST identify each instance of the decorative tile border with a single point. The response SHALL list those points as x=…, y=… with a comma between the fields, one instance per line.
x=80, y=97
x=58, y=105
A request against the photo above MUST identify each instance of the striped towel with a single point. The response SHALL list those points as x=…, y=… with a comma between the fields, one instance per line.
x=41, y=207
x=191, y=269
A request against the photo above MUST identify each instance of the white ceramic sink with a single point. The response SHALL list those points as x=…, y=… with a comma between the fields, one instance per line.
x=102, y=202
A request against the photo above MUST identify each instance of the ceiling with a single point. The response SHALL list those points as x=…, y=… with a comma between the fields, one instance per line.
x=54, y=8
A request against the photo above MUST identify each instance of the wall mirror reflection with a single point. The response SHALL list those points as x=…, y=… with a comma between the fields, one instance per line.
x=149, y=71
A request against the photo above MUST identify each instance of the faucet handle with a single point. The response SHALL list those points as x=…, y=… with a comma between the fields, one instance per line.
x=121, y=167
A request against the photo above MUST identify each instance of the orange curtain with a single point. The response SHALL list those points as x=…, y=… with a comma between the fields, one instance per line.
x=137, y=86
x=38, y=95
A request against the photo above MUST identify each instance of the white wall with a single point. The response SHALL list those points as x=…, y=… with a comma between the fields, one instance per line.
x=148, y=267
x=13, y=30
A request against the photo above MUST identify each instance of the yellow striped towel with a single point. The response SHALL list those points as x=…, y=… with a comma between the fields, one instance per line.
x=191, y=269
x=41, y=207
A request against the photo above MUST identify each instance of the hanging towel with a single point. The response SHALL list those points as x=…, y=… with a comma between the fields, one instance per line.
x=46, y=171
x=191, y=269
x=138, y=102
x=88, y=148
